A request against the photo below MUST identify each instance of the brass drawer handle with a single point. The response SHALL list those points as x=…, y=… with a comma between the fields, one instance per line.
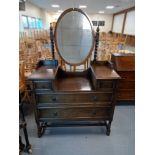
x=55, y=113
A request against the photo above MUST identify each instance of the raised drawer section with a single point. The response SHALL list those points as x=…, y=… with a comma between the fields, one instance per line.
x=125, y=95
x=75, y=113
x=123, y=84
x=105, y=85
x=127, y=75
x=43, y=85
x=73, y=97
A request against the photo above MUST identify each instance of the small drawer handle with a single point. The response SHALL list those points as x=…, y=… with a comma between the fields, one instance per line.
x=43, y=87
x=94, y=112
x=54, y=99
x=55, y=113
x=94, y=98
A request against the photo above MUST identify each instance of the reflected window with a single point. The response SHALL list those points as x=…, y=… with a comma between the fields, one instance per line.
x=32, y=22
x=25, y=22
x=39, y=23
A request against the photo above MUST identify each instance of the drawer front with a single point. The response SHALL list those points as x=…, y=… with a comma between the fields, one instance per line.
x=128, y=75
x=105, y=85
x=75, y=113
x=125, y=95
x=123, y=84
x=73, y=98
x=42, y=85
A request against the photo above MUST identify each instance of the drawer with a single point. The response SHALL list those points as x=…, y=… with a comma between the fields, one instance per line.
x=75, y=113
x=44, y=84
x=123, y=84
x=128, y=75
x=105, y=85
x=73, y=97
x=125, y=95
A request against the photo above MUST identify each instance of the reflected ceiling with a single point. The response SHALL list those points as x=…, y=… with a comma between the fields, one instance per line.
x=93, y=6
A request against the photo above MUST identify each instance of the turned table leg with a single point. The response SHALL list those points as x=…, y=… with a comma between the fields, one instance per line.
x=108, y=126
x=41, y=129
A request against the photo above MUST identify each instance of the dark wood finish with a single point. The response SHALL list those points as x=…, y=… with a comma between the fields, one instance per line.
x=96, y=42
x=125, y=67
x=124, y=20
x=52, y=41
x=23, y=147
x=73, y=97
x=80, y=97
x=103, y=70
x=76, y=113
x=112, y=25
x=44, y=73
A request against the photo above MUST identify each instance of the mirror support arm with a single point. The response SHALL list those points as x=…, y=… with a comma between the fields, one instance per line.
x=96, y=42
x=52, y=41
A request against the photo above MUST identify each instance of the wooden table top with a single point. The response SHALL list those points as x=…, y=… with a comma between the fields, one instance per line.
x=99, y=71
x=104, y=72
x=73, y=84
x=44, y=73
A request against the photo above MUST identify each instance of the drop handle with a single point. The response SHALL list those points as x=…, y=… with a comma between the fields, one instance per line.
x=55, y=113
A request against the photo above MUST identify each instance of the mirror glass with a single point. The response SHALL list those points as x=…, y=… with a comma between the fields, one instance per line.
x=74, y=36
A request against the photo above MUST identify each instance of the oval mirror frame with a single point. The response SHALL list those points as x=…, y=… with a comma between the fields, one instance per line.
x=56, y=32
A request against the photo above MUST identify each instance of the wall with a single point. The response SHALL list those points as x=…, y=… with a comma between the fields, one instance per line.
x=34, y=11
x=96, y=17
x=106, y=18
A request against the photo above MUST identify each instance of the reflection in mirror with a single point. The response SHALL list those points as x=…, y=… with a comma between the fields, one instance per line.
x=74, y=37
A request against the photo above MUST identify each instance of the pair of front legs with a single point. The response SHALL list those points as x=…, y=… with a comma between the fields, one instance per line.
x=41, y=128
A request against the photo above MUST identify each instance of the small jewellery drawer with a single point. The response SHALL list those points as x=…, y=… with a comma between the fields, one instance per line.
x=41, y=85
x=123, y=84
x=76, y=112
x=127, y=75
x=105, y=84
x=73, y=97
x=125, y=95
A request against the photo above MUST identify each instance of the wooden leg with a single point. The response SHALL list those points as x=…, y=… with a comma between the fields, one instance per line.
x=41, y=129
x=28, y=145
x=39, y=132
x=108, y=126
x=29, y=148
x=21, y=145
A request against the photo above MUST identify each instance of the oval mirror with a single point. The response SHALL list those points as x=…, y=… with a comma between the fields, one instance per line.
x=74, y=36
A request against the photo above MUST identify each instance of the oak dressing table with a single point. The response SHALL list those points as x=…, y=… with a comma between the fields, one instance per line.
x=63, y=98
